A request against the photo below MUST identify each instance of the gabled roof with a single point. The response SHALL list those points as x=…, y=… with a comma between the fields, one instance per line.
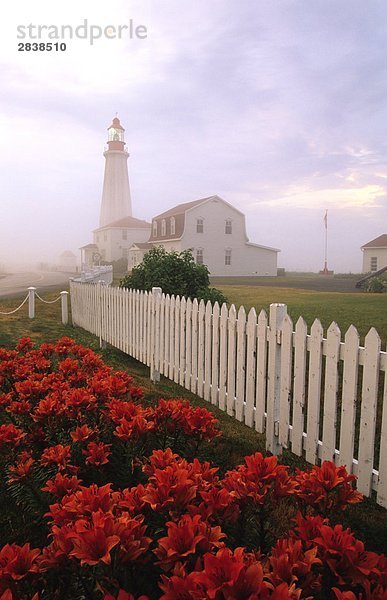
x=379, y=242
x=129, y=222
x=181, y=208
x=89, y=246
x=178, y=213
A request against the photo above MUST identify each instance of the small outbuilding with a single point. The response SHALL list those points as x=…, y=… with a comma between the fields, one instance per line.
x=375, y=254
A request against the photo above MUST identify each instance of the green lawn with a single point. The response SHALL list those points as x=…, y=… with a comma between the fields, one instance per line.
x=367, y=520
x=363, y=310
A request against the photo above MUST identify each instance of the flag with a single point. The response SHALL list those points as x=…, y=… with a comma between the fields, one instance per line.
x=326, y=219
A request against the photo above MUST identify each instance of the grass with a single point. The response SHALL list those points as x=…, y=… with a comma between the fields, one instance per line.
x=368, y=520
x=364, y=310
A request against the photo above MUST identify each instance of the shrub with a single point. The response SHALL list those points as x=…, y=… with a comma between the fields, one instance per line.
x=175, y=272
x=103, y=497
x=377, y=285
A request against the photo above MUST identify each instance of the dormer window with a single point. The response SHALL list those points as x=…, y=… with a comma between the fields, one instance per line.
x=228, y=226
x=163, y=227
x=173, y=226
x=154, y=228
x=199, y=225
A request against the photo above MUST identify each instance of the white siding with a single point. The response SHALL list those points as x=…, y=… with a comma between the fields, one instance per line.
x=379, y=253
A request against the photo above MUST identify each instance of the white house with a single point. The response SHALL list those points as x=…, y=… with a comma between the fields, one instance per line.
x=67, y=262
x=115, y=239
x=375, y=254
x=216, y=233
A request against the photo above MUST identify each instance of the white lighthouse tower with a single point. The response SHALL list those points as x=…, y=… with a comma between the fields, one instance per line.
x=116, y=202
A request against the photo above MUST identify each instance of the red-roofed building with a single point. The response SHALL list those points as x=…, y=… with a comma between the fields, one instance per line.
x=375, y=254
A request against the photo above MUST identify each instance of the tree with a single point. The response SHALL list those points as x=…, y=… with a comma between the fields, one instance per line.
x=175, y=272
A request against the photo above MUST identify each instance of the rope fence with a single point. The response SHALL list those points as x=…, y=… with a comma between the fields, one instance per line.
x=16, y=309
x=32, y=294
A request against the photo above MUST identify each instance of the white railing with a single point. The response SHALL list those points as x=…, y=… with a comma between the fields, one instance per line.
x=32, y=294
x=95, y=274
x=322, y=398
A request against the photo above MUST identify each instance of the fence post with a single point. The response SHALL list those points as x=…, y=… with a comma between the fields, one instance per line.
x=31, y=302
x=277, y=315
x=155, y=335
x=65, y=307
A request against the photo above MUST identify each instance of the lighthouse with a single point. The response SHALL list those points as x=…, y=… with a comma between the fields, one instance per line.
x=118, y=229
x=116, y=201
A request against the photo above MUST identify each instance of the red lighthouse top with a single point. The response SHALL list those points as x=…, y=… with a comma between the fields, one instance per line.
x=116, y=138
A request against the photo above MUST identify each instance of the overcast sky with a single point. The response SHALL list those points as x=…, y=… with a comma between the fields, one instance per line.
x=277, y=106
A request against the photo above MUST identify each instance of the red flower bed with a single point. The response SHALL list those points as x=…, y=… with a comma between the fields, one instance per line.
x=102, y=496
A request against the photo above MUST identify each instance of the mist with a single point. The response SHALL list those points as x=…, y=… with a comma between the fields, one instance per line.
x=277, y=108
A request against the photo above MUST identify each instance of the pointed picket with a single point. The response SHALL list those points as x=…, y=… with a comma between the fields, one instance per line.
x=207, y=351
x=188, y=345
x=285, y=380
x=167, y=333
x=330, y=393
x=349, y=397
x=223, y=357
x=202, y=311
x=161, y=333
x=231, y=360
x=240, y=365
x=176, y=352
x=314, y=391
x=251, y=345
x=368, y=411
x=382, y=482
x=215, y=354
x=300, y=338
x=182, y=357
x=171, y=364
x=261, y=377
x=195, y=315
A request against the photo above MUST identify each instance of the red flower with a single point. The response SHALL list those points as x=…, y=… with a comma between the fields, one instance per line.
x=170, y=488
x=189, y=536
x=21, y=470
x=19, y=407
x=24, y=345
x=97, y=454
x=134, y=429
x=93, y=541
x=10, y=434
x=17, y=561
x=81, y=433
x=62, y=485
x=327, y=487
x=56, y=455
x=201, y=423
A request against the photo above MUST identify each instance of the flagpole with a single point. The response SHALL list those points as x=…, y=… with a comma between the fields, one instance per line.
x=326, y=241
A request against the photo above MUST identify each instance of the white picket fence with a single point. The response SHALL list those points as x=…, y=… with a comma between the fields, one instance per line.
x=321, y=398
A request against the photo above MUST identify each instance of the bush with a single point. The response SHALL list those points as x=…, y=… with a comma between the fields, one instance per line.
x=377, y=285
x=175, y=272
x=102, y=497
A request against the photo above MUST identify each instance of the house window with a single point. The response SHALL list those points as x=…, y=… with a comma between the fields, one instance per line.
x=199, y=225
x=173, y=225
x=374, y=263
x=228, y=226
x=103, y=254
x=227, y=257
x=199, y=256
x=163, y=227
x=154, y=228
x=124, y=234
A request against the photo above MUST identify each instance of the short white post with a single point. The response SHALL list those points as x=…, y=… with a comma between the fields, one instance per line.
x=277, y=315
x=31, y=302
x=155, y=335
x=65, y=307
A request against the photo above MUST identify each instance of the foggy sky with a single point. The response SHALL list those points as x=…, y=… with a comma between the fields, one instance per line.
x=277, y=106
